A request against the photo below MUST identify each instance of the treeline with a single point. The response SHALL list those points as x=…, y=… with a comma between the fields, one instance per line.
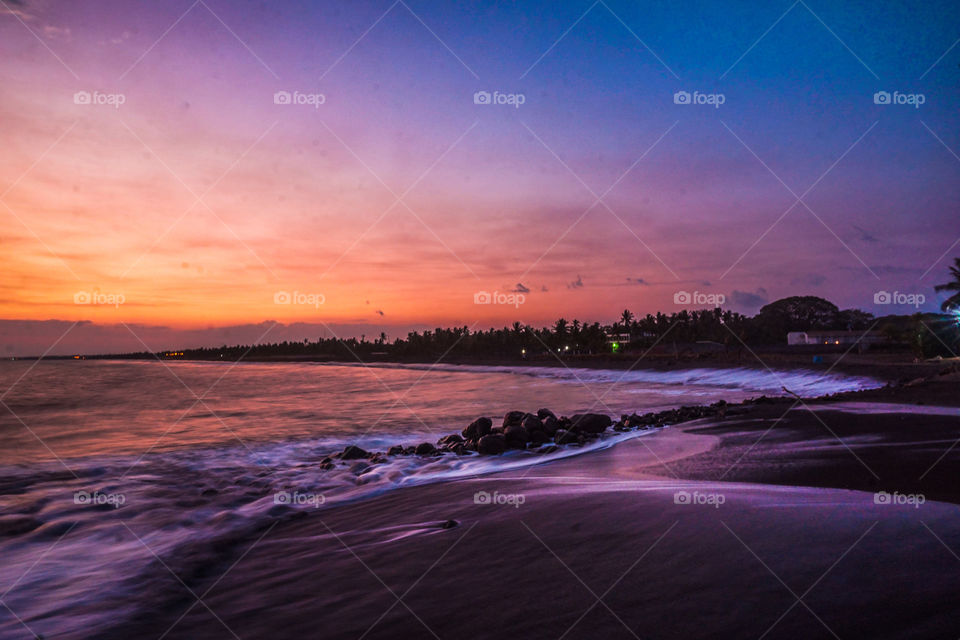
x=926, y=334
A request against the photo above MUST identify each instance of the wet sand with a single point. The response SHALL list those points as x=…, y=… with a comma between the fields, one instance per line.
x=640, y=540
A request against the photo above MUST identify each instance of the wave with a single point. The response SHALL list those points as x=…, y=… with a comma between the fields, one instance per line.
x=803, y=382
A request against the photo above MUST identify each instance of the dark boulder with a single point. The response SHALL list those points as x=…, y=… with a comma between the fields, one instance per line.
x=353, y=453
x=516, y=437
x=478, y=428
x=425, y=449
x=543, y=414
x=550, y=425
x=590, y=422
x=538, y=437
x=395, y=450
x=451, y=439
x=513, y=418
x=492, y=444
x=532, y=423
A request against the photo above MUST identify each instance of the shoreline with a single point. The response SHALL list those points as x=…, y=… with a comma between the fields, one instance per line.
x=611, y=518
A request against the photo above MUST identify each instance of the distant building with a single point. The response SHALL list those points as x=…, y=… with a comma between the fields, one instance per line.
x=834, y=337
x=617, y=341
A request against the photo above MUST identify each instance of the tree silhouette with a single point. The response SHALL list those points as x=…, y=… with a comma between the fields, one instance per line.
x=953, y=302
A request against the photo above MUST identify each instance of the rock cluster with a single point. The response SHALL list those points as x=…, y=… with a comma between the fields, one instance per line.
x=542, y=431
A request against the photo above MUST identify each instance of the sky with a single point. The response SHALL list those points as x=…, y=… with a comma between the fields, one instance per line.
x=186, y=172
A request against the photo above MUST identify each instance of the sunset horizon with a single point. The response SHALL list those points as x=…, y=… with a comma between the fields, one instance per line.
x=537, y=319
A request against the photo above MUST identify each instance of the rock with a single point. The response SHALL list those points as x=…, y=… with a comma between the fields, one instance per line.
x=449, y=524
x=550, y=425
x=562, y=436
x=516, y=437
x=513, y=418
x=532, y=423
x=538, y=437
x=492, y=444
x=425, y=449
x=478, y=428
x=353, y=453
x=395, y=450
x=451, y=439
x=590, y=422
x=543, y=414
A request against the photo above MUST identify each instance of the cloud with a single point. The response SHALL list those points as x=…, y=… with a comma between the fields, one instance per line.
x=56, y=33
x=864, y=236
x=638, y=281
x=544, y=288
x=380, y=312
x=810, y=280
x=520, y=288
x=745, y=299
x=576, y=284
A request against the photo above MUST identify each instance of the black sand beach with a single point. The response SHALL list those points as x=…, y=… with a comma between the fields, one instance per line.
x=700, y=531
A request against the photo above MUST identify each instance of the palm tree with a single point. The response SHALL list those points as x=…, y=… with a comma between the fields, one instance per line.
x=560, y=328
x=953, y=302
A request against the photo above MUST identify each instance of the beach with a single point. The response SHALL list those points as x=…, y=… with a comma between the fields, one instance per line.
x=697, y=531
